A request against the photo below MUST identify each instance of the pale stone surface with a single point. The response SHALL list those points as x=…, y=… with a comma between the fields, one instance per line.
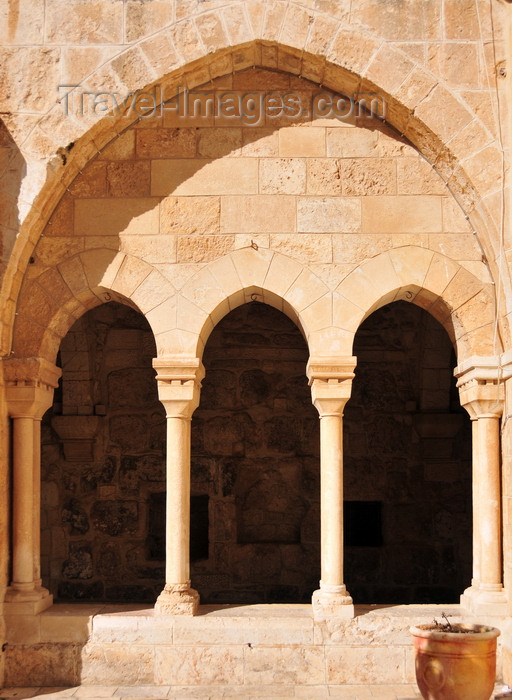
x=190, y=215
x=107, y=663
x=328, y=214
x=291, y=665
x=324, y=176
x=411, y=214
x=282, y=176
x=297, y=142
x=265, y=213
x=200, y=664
x=368, y=176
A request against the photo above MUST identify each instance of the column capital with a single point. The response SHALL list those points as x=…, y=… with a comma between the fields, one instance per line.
x=29, y=384
x=330, y=379
x=179, y=384
x=480, y=384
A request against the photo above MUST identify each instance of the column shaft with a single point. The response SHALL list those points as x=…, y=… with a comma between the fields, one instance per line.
x=330, y=379
x=23, y=529
x=177, y=567
x=331, y=498
x=29, y=385
x=476, y=505
x=36, y=503
x=480, y=383
x=489, y=492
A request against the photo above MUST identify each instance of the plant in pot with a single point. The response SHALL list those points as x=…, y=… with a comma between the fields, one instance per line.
x=455, y=661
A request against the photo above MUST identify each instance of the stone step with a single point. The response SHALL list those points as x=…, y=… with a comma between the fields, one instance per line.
x=223, y=645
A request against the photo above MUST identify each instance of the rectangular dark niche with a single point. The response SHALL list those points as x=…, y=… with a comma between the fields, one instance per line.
x=362, y=522
x=199, y=527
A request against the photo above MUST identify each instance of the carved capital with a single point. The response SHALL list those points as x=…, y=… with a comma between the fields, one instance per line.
x=481, y=389
x=179, y=384
x=29, y=384
x=330, y=379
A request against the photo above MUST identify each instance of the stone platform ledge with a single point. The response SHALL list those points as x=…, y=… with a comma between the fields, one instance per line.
x=225, y=624
x=268, y=644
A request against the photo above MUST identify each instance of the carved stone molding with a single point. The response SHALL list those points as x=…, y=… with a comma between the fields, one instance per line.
x=29, y=383
x=179, y=384
x=481, y=388
x=330, y=379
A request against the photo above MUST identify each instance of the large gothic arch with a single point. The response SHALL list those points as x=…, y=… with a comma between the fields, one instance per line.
x=349, y=61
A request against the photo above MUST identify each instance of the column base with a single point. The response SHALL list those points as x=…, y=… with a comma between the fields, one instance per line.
x=177, y=599
x=20, y=601
x=485, y=601
x=332, y=601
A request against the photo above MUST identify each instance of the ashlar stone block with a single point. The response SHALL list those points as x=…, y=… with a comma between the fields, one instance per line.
x=328, y=214
x=300, y=665
x=324, y=176
x=190, y=215
x=114, y=216
x=202, y=176
x=265, y=213
x=199, y=665
x=282, y=176
x=405, y=214
x=302, y=142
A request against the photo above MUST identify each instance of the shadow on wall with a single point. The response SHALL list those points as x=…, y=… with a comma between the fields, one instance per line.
x=165, y=178
x=12, y=171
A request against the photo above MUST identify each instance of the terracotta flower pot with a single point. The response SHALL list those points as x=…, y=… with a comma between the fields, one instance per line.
x=456, y=665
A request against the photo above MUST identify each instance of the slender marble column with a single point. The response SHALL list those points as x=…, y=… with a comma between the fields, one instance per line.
x=179, y=383
x=23, y=508
x=489, y=489
x=482, y=395
x=36, y=503
x=476, y=462
x=331, y=381
x=29, y=390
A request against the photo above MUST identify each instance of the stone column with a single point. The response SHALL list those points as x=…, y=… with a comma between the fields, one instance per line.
x=29, y=392
x=179, y=384
x=481, y=394
x=331, y=383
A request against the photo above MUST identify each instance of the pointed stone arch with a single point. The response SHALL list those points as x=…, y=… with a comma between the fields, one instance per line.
x=50, y=304
x=454, y=296
x=291, y=38
x=248, y=275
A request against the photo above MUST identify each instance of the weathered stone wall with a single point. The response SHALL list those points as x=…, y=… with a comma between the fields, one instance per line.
x=96, y=492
